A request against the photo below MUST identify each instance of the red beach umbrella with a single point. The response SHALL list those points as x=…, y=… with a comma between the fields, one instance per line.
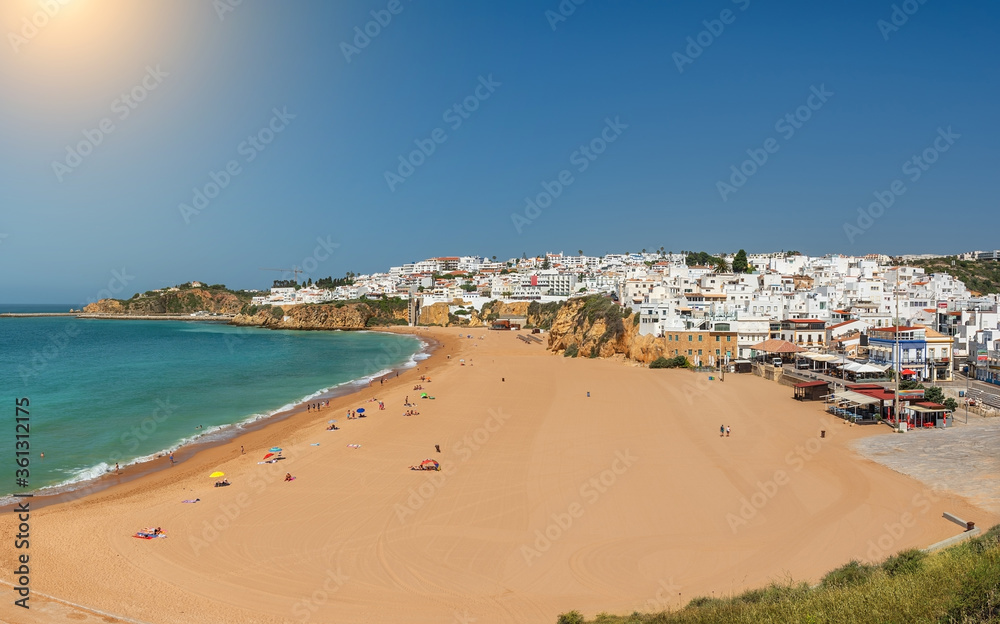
x=269, y=455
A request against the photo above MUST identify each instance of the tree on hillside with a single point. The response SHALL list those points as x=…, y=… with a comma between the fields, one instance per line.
x=740, y=264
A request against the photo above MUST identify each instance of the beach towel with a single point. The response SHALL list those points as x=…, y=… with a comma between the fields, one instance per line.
x=354, y=446
x=191, y=501
x=148, y=534
x=292, y=479
x=314, y=444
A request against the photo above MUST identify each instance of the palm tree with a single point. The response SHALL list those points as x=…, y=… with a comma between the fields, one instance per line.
x=580, y=251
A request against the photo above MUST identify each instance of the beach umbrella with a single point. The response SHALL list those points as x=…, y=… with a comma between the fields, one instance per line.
x=429, y=462
x=423, y=395
x=360, y=410
x=275, y=449
x=269, y=455
x=217, y=474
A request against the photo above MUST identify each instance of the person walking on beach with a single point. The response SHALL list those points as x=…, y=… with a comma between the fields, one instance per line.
x=171, y=458
x=727, y=431
x=242, y=452
x=722, y=430
x=118, y=470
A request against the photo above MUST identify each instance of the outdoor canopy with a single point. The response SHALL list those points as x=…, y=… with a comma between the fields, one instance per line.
x=855, y=367
x=850, y=396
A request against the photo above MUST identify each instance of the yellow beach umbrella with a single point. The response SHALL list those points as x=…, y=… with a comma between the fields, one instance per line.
x=217, y=474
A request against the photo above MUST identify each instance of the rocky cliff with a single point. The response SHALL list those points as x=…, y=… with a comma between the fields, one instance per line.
x=596, y=327
x=173, y=302
x=321, y=316
x=436, y=314
x=536, y=315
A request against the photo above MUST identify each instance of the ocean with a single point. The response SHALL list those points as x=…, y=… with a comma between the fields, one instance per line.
x=107, y=391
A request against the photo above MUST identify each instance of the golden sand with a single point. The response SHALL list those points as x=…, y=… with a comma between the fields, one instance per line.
x=549, y=500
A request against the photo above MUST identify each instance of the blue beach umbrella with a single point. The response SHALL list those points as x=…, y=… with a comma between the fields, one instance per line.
x=360, y=410
x=275, y=449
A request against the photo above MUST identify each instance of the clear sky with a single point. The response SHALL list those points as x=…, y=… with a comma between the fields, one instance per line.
x=114, y=112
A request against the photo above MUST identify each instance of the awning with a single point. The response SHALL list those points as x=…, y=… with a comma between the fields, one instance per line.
x=850, y=396
x=825, y=357
x=926, y=410
x=859, y=368
x=907, y=371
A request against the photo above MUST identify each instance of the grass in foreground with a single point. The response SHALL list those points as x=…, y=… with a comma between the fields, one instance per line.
x=958, y=585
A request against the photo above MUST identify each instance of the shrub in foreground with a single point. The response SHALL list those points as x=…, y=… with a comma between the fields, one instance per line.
x=853, y=573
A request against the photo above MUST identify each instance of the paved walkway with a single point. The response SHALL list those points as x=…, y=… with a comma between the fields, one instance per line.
x=964, y=459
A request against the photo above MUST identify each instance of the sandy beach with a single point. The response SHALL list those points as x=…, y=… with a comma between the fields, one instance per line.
x=594, y=485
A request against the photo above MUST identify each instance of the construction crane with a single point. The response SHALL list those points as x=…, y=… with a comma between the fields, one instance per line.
x=293, y=271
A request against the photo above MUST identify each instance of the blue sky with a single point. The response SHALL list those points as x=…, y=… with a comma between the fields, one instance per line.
x=213, y=82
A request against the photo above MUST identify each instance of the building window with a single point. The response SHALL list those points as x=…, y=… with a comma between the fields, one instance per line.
x=699, y=351
x=699, y=338
x=717, y=352
x=729, y=338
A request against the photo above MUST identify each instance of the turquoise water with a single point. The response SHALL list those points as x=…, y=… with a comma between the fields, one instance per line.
x=105, y=391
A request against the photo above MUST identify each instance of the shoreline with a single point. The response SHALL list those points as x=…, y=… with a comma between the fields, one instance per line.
x=137, y=471
x=532, y=444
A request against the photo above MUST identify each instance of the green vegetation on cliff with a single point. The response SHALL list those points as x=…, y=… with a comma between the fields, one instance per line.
x=982, y=276
x=959, y=585
x=183, y=299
